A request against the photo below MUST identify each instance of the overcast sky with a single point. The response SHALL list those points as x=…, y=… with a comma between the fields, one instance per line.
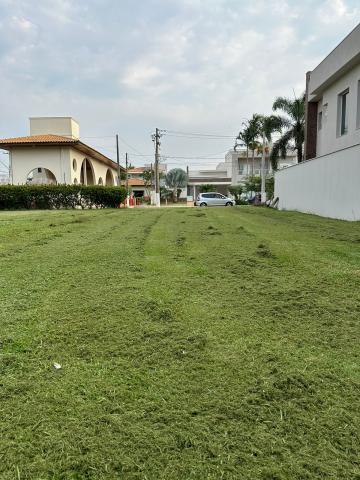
x=127, y=66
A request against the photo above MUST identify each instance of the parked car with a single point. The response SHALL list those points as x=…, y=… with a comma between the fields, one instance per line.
x=212, y=199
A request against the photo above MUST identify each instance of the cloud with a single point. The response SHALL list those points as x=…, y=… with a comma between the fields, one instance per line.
x=199, y=65
x=333, y=11
x=140, y=75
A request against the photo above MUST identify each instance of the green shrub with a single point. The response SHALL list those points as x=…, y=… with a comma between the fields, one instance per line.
x=23, y=197
x=206, y=188
x=236, y=191
x=253, y=185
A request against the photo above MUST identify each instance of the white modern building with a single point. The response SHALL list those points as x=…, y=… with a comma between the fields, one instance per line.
x=234, y=171
x=53, y=153
x=327, y=182
x=244, y=164
x=219, y=178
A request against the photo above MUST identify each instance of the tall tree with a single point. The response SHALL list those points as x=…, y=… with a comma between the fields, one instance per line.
x=254, y=125
x=147, y=176
x=267, y=126
x=245, y=138
x=176, y=179
x=293, y=127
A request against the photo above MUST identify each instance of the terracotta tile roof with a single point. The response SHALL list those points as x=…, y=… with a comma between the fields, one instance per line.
x=138, y=169
x=136, y=182
x=49, y=138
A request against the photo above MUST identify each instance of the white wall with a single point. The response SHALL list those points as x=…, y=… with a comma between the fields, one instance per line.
x=55, y=159
x=328, y=186
x=65, y=126
x=59, y=160
x=342, y=58
x=328, y=140
x=99, y=168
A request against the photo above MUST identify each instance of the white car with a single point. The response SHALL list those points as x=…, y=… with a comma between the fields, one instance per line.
x=213, y=199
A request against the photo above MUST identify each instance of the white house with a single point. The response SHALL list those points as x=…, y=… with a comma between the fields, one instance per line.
x=327, y=182
x=233, y=171
x=242, y=166
x=53, y=153
x=219, y=178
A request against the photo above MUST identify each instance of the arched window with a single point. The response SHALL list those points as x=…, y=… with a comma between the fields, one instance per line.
x=100, y=182
x=41, y=176
x=109, y=181
x=87, y=176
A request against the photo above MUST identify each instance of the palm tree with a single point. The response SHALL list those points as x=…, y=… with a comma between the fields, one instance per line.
x=254, y=125
x=245, y=137
x=176, y=179
x=293, y=124
x=267, y=126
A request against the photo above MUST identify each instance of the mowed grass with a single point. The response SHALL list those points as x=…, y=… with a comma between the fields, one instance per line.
x=194, y=344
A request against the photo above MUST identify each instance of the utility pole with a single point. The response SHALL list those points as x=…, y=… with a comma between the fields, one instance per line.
x=187, y=181
x=263, y=183
x=151, y=177
x=156, y=138
x=126, y=173
x=118, y=159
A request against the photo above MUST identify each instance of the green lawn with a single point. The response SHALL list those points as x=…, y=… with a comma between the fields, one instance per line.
x=194, y=344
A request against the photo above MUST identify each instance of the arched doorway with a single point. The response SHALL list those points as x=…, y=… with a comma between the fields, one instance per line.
x=109, y=180
x=41, y=176
x=100, y=182
x=87, y=176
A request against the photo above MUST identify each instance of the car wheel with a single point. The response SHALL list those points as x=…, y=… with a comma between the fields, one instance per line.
x=228, y=204
x=203, y=204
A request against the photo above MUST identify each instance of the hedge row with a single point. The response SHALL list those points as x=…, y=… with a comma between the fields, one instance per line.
x=20, y=197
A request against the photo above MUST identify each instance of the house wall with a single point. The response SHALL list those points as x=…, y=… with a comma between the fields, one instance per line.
x=194, y=189
x=328, y=138
x=326, y=186
x=237, y=162
x=59, y=160
x=343, y=58
x=55, y=159
x=99, y=168
x=65, y=126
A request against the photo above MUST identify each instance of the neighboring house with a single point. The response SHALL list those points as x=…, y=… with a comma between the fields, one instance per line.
x=219, y=179
x=233, y=171
x=327, y=183
x=53, y=153
x=241, y=167
x=136, y=181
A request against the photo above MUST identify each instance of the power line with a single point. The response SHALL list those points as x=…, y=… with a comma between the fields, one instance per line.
x=130, y=146
x=114, y=137
x=193, y=134
x=195, y=137
x=102, y=136
x=211, y=156
x=192, y=158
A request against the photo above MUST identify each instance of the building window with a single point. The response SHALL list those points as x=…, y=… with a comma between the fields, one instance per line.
x=343, y=113
x=320, y=120
x=74, y=165
x=358, y=106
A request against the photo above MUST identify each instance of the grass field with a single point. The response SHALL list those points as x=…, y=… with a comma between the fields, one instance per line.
x=194, y=344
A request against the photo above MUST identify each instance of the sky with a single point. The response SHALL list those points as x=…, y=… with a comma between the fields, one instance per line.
x=127, y=67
